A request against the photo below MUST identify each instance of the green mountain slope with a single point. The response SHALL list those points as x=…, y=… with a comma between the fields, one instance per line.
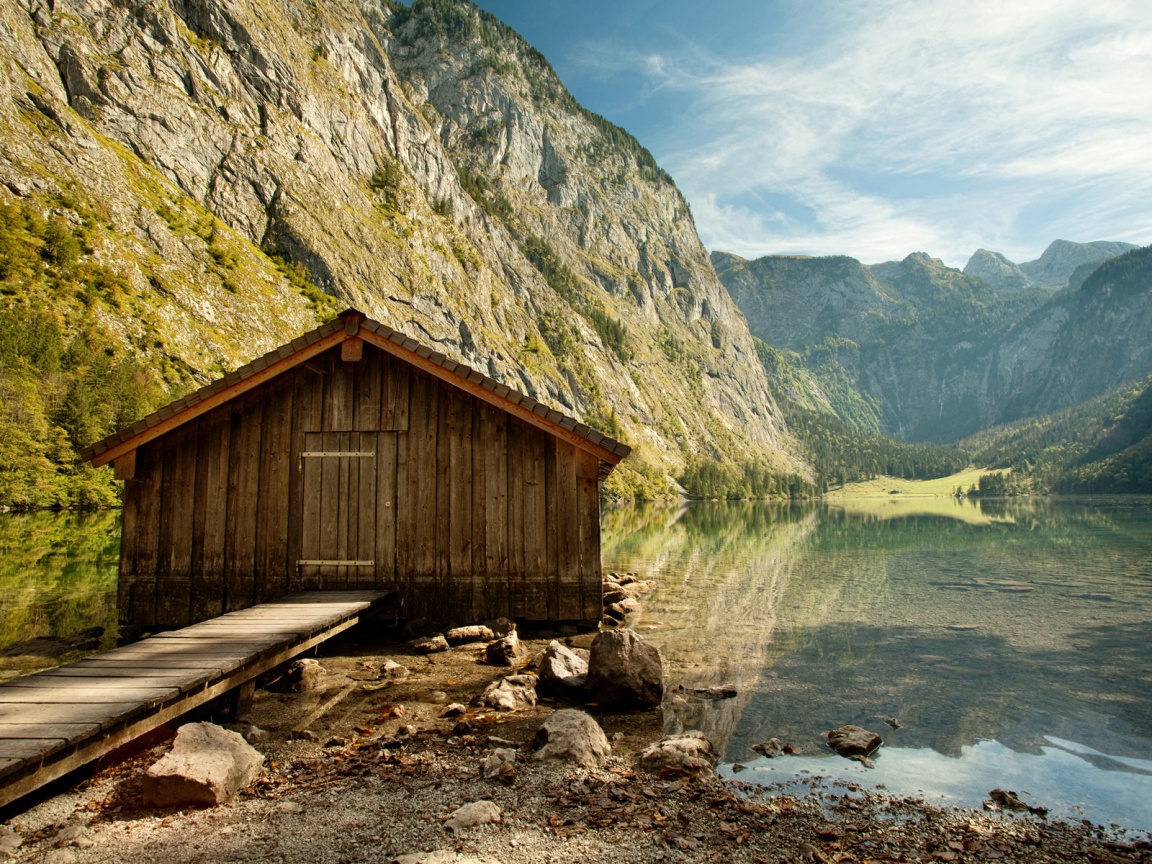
x=923, y=352
x=240, y=170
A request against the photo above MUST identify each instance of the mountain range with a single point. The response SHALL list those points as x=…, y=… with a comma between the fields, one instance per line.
x=186, y=184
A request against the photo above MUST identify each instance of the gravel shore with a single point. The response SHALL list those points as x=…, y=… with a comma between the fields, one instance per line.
x=336, y=789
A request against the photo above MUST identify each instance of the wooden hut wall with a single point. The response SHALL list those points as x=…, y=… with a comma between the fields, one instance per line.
x=405, y=480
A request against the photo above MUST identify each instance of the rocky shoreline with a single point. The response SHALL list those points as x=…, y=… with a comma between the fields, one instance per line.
x=380, y=750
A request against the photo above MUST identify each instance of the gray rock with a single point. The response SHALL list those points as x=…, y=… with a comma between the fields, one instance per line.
x=471, y=633
x=393, y=671
x=471, y=815
x=510, y=693
x=430, y=644
x=453, y=710
x=256, y=735
x=572, y=736
x=853, y=741
x=301, y=676
x=496, y=765
x=560, y=667
x=500, y=626
x=624, y=671
x=691, y=751
x=206, y=766
x=505, y=651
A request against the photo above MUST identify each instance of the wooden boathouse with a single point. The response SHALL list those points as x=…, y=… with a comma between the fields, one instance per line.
x=355, y=458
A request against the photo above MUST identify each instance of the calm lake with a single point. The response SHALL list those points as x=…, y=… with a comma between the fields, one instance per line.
x=1013, y=640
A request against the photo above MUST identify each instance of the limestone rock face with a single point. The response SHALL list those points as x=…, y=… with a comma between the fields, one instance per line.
x=930, y=353
x=1062, y=257
x=624, y=671
x=996, y=270
x=206, y=766
x=448, y=185
x=573, y=736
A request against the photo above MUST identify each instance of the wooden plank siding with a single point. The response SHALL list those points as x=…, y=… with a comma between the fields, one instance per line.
x=388, y=476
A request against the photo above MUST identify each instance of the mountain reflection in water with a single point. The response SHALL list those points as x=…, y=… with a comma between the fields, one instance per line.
x=992, y=630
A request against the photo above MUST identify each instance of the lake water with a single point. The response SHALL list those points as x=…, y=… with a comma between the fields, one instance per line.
x=1013, y=640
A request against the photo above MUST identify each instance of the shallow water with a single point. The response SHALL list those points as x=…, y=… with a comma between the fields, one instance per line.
x=57, y=577
x=1012, y=640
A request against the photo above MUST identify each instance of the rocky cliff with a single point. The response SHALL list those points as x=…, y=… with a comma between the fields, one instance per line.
x=227, y=158
x=1053, y=268
x=948, y=354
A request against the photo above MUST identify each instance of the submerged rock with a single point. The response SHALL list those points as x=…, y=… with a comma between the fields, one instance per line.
x=853, y=741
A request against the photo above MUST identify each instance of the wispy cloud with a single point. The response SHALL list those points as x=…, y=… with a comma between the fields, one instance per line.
x=909, y=126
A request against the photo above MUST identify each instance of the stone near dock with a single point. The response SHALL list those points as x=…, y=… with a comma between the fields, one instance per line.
x=573, y=736
x=504, y=651
x=560, y=668
x=471, y=633
x=500, y=626
x=691, y=751
x=392, y=671
x=430, y=644
x=853, y=741
x=624, y=671
x=206, y=766
x=510, y=693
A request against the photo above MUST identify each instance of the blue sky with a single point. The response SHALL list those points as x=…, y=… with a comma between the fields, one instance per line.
x=875, y=128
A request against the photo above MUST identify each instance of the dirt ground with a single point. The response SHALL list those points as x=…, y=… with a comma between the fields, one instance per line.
x=337, y=788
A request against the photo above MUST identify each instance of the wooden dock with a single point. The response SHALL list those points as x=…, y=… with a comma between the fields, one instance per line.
x=55, y=721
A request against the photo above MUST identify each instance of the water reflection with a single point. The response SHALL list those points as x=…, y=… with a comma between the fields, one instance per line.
x=57, y=578
x=1017, y=623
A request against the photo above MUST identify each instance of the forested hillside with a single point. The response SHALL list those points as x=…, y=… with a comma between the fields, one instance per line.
x=187, y=186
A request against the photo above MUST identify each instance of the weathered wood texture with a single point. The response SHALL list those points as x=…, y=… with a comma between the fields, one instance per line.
x=369, y=474
x=55, y=721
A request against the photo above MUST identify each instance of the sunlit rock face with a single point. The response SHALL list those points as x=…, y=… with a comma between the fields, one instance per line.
x=424, y=165
x=922, y=351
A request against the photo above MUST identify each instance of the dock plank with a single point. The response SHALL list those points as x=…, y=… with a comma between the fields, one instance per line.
x=57, y=720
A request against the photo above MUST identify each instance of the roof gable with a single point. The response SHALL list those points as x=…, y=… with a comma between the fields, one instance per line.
x=353, y=325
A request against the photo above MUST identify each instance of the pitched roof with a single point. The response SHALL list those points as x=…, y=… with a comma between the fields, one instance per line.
x=353, y=324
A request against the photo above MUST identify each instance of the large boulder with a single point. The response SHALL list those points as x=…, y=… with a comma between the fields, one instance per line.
x=691, y=751
x=206, y=766
x=574, y=736
x=561, y=668
x=510, y=693
x=624, y=670
x=853, y=741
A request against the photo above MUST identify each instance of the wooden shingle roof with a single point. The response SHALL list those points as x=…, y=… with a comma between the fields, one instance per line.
x=352, y=324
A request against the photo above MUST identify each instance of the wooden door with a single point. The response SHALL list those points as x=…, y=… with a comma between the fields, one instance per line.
x=339, y=513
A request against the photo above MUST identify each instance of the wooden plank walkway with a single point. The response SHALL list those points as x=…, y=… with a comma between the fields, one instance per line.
x=55, y=721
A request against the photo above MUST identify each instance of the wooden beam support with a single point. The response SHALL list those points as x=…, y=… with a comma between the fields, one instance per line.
x=125, y=467
x=352, y=349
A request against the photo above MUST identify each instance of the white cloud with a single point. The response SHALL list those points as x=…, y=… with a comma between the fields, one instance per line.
x=936, y=126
